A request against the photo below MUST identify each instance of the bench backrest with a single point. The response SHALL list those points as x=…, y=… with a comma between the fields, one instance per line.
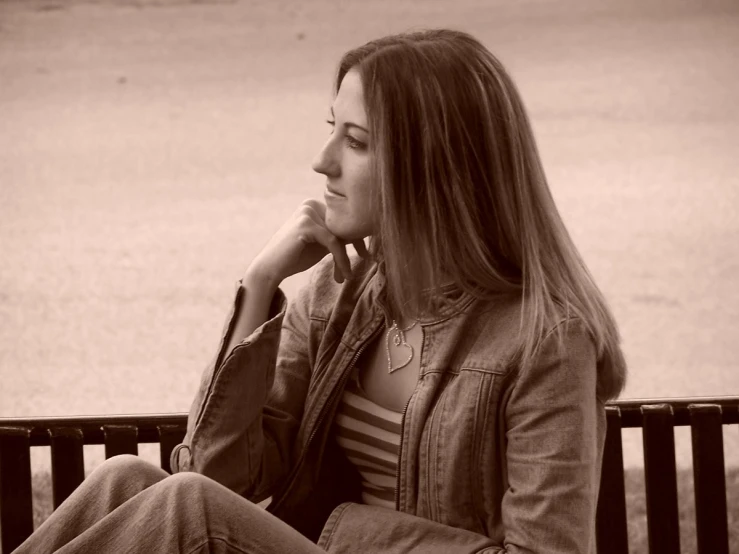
x=121, y=434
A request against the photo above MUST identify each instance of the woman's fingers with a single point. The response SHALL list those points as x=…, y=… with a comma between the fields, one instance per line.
x=317, y=211
x=342, y=265
x=301, y=242
x=318, y=206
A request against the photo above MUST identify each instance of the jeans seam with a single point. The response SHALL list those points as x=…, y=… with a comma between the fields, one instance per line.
x=210, y=538
x=335, y=524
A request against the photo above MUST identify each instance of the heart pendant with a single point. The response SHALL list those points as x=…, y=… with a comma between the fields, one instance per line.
x=398, y=343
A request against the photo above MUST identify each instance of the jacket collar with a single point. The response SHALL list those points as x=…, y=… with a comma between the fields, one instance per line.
x=450, y=299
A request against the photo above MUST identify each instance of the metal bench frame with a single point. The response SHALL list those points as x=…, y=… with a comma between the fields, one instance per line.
x=657, y=417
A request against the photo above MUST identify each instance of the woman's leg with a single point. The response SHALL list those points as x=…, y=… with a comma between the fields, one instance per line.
x=108, y=486
x=186, y=513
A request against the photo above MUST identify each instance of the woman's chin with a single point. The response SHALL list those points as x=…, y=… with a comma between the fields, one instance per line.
x=345, y=232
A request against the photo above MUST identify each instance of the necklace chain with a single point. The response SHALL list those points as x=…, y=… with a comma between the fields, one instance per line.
x=411, y=326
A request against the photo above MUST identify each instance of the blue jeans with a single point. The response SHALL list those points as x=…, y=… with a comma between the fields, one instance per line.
x=128, y=505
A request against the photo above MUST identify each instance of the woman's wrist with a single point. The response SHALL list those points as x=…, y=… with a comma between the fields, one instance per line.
x=257, y=278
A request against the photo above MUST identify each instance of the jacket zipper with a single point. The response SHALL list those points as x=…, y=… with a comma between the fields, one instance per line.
x=400, y=452
x=273, y=507
x=402, y=433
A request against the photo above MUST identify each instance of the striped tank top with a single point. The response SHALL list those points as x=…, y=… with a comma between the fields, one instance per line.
x=370, y=437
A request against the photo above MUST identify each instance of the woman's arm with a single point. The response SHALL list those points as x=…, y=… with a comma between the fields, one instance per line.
x=253, y=308
x=224, y=424
x=555, y=430
x=242, y=423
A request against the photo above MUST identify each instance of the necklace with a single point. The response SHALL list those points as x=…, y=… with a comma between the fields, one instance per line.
x=398, y=340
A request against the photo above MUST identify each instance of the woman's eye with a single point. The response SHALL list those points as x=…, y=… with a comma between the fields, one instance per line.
x=354, y=143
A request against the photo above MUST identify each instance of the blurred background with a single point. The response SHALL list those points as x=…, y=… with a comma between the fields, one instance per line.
x=149, y=149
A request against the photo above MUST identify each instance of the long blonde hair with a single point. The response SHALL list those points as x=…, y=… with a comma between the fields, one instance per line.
x=462, y=193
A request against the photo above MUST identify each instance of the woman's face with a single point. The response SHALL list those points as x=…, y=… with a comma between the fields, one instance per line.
x=345, y=161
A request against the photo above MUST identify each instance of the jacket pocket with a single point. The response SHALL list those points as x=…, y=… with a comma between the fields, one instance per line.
x=456, y=464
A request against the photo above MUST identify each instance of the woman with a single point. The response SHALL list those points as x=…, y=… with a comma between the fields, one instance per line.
x=441, y=392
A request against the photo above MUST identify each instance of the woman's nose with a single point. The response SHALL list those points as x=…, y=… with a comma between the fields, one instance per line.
x=326, y=162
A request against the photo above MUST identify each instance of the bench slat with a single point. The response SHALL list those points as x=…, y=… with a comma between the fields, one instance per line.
x=16, y=496
x=611, y=526
x=169, y=437
x=120, y=439
x=67, y=462
x=709, y=479
x=660, y=479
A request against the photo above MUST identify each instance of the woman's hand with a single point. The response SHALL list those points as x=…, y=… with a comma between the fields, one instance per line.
x=301, y=243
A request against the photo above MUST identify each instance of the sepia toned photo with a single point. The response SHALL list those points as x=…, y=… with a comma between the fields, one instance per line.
x=369, y=276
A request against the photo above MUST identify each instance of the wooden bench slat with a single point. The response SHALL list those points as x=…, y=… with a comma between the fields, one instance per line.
x=611, y=525
x=120, y=439
x=16, y=493
x=169, y=437
x=660, y=479
x=67, y=462
x=709, y=479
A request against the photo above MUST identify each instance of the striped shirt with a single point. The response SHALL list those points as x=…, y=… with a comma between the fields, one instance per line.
x=370, y=437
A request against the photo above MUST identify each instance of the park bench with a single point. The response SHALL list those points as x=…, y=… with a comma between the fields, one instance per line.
x=656, y=417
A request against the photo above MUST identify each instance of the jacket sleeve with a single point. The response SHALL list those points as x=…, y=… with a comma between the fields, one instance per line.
x=555, y=431
x=242, y=423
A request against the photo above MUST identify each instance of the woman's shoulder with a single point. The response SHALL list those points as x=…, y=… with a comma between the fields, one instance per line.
x=505, y=321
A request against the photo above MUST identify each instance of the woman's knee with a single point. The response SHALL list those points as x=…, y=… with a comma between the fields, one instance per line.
x=189, y=482
x=205, y=505
x=128, y=467
x=195, y=489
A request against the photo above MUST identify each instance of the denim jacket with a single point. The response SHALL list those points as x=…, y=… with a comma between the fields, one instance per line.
x=493, y=459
